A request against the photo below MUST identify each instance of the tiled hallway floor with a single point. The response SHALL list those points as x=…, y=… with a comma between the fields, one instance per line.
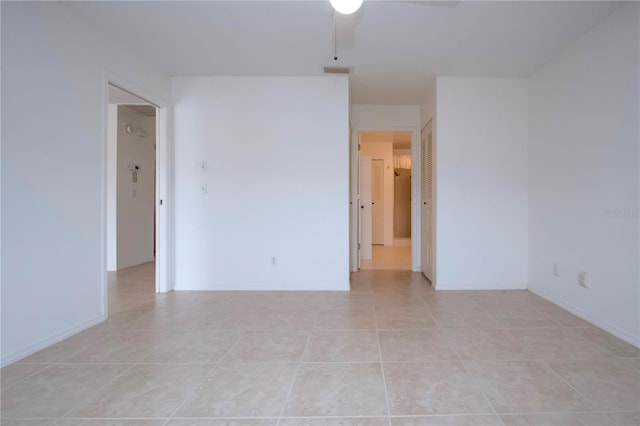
x=390, y=352
x=397, y=257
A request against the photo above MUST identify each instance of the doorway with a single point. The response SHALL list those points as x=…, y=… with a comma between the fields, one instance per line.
x=381, y=212
x=136, y=231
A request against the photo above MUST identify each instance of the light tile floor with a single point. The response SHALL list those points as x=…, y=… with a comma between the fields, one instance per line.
x=396, y=257
x=390, y=352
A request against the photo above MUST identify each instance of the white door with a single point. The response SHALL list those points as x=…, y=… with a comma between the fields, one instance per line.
x=365, y=209
x=377, y=201
x=427, y=202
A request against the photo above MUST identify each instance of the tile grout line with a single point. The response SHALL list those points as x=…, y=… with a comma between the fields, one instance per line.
x=550, y=368
x=39, y=370
x=295, y=377
x=97, y=391
x=476, y=384
x=206, y=376
x=384, y=382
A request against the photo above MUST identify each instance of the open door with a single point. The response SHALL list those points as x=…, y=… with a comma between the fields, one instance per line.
x=365, y=222
x=377, y=202
x=427, y=202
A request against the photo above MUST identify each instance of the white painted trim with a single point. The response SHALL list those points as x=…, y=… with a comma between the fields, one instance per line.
x=492, y=286
x=609, y=328
x=293, y=286
x=51, y=340
x=416, y=179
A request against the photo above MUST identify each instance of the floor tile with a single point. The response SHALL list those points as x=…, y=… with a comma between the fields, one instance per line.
x=486, y=344
x=404, y=318
x=459, y=420
x=15, y=373
x=120, y=347
x=432, y=388
x=337, y=390
x=556, y=343
x=536, y=363
x=204, y=347
x=110, y=422
x=335, y=421
x=525, y=386
x=336, y=301
x=144, y=391
x=223, y=422
x=284, y=346
x=284, y=320
x=241, y=390
x=27, y=422
x=343, y=346
x=557, y=419
x=616, y=347
x=55, y=390
x=494, y=318
x=415, y=345
x=608, y=384
x=345, y=319
x=53, y=354
x=561, y=316
x=631, y=418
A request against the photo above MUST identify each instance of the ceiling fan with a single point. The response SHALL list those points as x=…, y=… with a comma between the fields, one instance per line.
x=345, y=18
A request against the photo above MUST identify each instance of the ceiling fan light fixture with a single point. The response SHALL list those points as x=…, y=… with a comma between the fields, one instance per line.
x=346, y=7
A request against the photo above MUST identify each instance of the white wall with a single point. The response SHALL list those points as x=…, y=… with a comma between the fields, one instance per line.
x=135, y=224
x=481, y=159
x=390, y=118
x=583, y=162
x=385, y=117
x=277, y=179
x=428, y=113
x=53, y=173
x=381, y=150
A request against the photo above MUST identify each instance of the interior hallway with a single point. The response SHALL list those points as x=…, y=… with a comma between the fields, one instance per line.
x=391, y=351
x=389, y=258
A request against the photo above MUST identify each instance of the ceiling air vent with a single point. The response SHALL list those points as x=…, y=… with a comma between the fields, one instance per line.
x=336, y=70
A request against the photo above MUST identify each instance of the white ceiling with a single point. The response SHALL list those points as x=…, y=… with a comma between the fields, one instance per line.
x=397, y=50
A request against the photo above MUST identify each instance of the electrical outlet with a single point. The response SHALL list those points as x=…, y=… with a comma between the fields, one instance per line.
x=203, y=189
x=274, y=261
x=203, y=167
x=583, y=279
x=556, y=270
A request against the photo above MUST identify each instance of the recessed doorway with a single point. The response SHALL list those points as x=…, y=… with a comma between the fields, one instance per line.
x=384, y=198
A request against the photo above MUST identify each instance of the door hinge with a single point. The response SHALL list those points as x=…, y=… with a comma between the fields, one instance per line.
x=358, y=147
x=358, y=246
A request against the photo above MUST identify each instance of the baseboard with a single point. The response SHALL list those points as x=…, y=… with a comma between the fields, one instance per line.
x=51, y=340
x=491, y=286
x=264, y=287
x=609, y=328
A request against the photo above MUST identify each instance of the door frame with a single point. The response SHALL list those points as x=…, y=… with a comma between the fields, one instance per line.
x=416, y=179
x=163, y=190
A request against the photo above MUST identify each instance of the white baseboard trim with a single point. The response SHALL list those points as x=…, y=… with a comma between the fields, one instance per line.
x=51, y=340
x=265, y=287
x=490, y=286
x=609, y=328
